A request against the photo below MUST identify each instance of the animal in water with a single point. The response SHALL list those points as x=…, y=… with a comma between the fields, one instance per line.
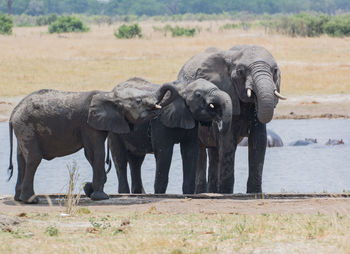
x=305, y=142
x=50, y=123
x=252, y=78
x=273, y=140
x=333, y=142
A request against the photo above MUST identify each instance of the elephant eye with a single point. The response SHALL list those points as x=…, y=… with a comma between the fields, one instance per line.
x=197, y=94
x=138, y=100
x=240, y=72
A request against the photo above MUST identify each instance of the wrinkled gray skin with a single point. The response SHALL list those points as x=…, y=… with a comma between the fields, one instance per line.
x=177, y=123
x=273, y=140
x=51, y=123
x=234, y=71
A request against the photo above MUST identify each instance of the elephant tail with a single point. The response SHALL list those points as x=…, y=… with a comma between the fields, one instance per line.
x=10, y=169
x=108, y=159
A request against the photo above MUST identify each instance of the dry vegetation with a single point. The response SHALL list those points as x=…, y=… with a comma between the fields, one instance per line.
x=155, y=232
x=32, y=59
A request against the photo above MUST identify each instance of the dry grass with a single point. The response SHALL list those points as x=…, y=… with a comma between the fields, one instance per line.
x=32, y=59
x=154, y=232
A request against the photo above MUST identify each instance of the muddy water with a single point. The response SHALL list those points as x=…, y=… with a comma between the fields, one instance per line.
x=313, y=168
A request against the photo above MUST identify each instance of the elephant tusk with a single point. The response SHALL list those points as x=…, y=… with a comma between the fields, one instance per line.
x=249, y=92
x=278, y=95
x=157, y=106
x=211, y=105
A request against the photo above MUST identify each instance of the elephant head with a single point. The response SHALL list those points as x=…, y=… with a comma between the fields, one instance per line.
x=126, y=105
x=199, y=101
x=247, y=73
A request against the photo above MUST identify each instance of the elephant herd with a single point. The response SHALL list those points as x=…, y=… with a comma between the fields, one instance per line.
x=219, y=97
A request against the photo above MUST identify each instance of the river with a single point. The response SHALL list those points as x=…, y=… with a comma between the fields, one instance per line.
x=297, y=169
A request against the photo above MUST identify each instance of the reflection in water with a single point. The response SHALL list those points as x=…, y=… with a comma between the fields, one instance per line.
x=313, y=168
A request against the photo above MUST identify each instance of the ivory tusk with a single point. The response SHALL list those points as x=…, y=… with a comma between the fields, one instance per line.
x=278, y=95
x=211, y=105
x=157, y=106
x=249, y=92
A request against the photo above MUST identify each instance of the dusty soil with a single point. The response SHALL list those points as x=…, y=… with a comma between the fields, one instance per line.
x=296, y=107
x=181, y=205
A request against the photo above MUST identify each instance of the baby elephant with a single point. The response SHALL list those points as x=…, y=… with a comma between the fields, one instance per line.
x=200, y=102
x=51, y=123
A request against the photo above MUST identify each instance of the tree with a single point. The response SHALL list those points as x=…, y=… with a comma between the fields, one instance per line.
x=9, y=6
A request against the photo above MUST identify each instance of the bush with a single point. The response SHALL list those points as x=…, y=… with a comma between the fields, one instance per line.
x=338, y=26
x=67, y=24
x=128, y=31
x=6, y=24
x=46, y=20
x=181, y=31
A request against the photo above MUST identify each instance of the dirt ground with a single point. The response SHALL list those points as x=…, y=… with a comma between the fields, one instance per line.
x=295, y=107
x=184, y=205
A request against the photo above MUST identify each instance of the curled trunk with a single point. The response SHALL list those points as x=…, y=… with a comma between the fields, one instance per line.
x=263, y=88
x=160, y=93
x=223, y=100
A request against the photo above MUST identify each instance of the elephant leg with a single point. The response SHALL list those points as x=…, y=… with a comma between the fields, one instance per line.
x=21, y=169
x=189, y=153
x=227, y=151
x=163, y=160
x=94, y=151
x=201, y=172
x=135, y=162
x=32, y=160
x=120, y=159
x=257, y=147
x=213, y=170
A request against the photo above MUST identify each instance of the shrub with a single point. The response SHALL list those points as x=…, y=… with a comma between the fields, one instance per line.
x=6, y=24
x=52, y=231
x=338, y=26
x=181, y=31
x=128, y=31
x=67, y=24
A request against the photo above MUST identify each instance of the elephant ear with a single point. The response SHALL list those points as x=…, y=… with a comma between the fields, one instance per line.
x=217, y=70
x=104, y=114
x=177, y=115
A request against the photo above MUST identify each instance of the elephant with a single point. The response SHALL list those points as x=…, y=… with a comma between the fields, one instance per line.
x=251, y=76
x=305, y=142
x=273, y=140
x=50, y=123
x=200, y=102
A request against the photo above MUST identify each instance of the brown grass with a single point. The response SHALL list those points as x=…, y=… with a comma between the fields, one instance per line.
x=154, y=232
x=32, y=59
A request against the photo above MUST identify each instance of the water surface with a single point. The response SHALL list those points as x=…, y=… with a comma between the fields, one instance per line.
x=313, y=168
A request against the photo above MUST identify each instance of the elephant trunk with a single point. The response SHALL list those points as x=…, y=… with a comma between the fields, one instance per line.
x=223, y=101
x=160, y=94
x=263, y=87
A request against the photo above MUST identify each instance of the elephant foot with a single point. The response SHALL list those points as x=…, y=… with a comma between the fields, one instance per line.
x=31, y=200
x=16, y=197
x=99, y=195
x=88, y=189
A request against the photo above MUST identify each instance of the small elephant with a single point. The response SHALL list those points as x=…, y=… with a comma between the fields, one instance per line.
x=200, y=102
x=273, y=140
x=51, y=123
x=305, y=142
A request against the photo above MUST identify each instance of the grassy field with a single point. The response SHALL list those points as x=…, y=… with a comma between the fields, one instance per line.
x=156, y=232
x=32, y=59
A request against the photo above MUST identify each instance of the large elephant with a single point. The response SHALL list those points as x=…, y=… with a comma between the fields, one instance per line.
x=250, y=75
x=51, y=123
x=200, y=102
